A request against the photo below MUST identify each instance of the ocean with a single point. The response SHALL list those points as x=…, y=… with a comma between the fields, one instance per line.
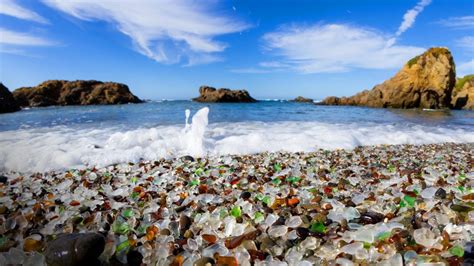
x=58, y=138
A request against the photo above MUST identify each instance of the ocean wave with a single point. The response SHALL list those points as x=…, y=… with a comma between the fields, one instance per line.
x=62, y=147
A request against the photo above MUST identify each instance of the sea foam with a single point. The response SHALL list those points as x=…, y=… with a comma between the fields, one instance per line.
x=62, y=147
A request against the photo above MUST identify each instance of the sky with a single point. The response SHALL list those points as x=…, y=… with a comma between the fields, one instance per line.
x=166, y=49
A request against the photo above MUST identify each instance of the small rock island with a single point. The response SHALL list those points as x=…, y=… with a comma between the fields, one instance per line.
x=212, y=95
x=301, y=99
x=79, y=92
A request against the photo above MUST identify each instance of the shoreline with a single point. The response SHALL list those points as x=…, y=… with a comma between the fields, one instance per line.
x=385, y=203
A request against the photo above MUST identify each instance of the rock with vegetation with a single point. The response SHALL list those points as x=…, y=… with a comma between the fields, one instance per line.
x=80, y=92
x=301, y=99
x=212, y=95
x=463, y=93
x=425, y=81
x=7, y=102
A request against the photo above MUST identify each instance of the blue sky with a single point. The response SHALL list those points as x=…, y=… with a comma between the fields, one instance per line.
x=273, y=48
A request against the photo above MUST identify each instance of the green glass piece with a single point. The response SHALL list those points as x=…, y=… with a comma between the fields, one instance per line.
x=367, y=245
x=3, y=241
x=141, y=229
x=259, y=197
x=409, y=200
x=391, y=168
x=123, y=246
x=120, y=228
x=135, y=195
x=277, y=167
x=127, y=213
x=293, y=179
x=199, y=171
x=461, y=188
x=457, y=251
x=266, y=200
x=194, y=182
x=318, y=227
x=383, y=236
x=134, y=179
x=402, y=204
x=416, y=191
x=223, y=213
x=276, y=181
x=462, y=176
x=236, y=211
x=258, y=217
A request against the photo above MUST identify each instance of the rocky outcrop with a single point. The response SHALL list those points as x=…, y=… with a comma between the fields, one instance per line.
x=80, y=92
x=301, y=99
x=463, y=93
x=7, y=102
x=211, y=95
x=425, y=81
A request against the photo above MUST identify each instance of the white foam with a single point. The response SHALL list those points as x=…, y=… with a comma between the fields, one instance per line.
x=45, y=149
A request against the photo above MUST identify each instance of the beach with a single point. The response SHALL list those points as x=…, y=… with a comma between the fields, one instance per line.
x=383, y=204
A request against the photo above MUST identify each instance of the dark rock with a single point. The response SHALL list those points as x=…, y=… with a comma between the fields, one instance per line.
x=371, y=217
x=211, y=95
x=187, y=158
x=426, y=81
x=3, y=179
x=75, y=249
x=7, y=101
x=80, y=92
x=440, y=193
x=301, y=99
x=134, y=258
x=245, y=195
x=184, y=223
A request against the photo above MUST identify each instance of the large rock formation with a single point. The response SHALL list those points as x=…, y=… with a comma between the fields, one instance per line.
x=463, y=93
x=211, y=95
x=301, y=99
x=80, y=92
x=7, y=102
x=425, y=81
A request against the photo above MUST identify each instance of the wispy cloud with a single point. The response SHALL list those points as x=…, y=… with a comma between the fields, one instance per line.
x=465, y=22
x=335, y=48
x=13, y=38
x=168, y=31
x=13, y=9
x=327, y=48
x=465, y=68
x=410, y=16
x=466, y=42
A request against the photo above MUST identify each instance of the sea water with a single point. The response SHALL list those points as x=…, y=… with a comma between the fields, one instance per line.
x=56, y=138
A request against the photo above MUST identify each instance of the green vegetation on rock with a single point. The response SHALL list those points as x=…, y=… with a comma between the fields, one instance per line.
x=460, y=83
x=413, y=61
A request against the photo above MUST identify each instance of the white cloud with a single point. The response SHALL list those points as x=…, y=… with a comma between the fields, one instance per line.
x=13, y=38
x=168, y=31
x=410, y=16
x=465, y=22
x=335, y=48
x=466, y=42
x=11, y=8
x=465, y=68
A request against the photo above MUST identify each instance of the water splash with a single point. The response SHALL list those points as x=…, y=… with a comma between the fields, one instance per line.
x=194, y=133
